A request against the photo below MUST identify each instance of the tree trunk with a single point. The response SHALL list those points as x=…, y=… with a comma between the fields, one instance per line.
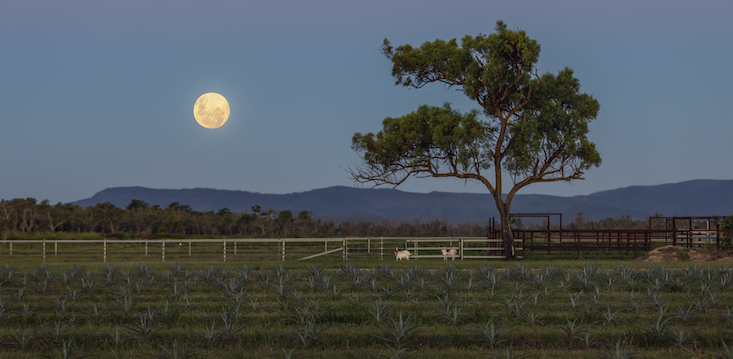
x=507, y=236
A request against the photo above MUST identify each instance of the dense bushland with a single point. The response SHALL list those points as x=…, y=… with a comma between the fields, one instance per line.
x=20, y=218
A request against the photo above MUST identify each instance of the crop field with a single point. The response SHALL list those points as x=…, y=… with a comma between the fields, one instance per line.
x=366, y=309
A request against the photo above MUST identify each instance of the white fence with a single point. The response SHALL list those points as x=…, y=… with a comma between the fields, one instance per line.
x=255, y=248
x=466, y=248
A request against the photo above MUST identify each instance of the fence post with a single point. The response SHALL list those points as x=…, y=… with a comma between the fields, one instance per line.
x=283, y=244
x=162, y=250
x=189, y=248
x=105, y=251
x=523, y=245
x=460, y=243
x=11, y=249
x=369, y=246
x=225, y=250
x=146, y=247
x=381, y=248
x=415, y=248
x=344, y=251
x=235, y=246
x=44, y=250
x=55, y=248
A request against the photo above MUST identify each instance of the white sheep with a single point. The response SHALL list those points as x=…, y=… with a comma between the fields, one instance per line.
x=448, y=252
x=400, y=255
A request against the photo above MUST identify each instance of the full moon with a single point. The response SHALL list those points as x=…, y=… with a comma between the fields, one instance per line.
x=211, y=110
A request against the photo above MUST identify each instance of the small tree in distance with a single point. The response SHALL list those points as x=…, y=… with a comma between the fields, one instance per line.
x=535, y=130
x=727, y=225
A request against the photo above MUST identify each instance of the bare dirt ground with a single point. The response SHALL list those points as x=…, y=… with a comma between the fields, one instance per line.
x=679, y=254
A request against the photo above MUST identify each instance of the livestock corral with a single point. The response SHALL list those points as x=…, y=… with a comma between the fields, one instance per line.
x=551, y=242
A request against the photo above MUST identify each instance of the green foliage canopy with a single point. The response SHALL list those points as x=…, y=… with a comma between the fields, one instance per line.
x=533, y=127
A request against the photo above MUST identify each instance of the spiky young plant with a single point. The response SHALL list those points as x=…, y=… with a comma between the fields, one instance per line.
x=445, y=301
x=451, y=278
x=126, y=303
x=286, y=354
x=397, y=334
x=62, y=305
x=145, y=326
x=68, y=351
x=685, y=315
x=254, y=304
x=110, y=274
x=26, y=312
x=280, y=288
x=209, y=337
x=309, y=334
x=115, y=337
x=618, y=351
x=571, y=329
x=21, y=340
x=72, y=294
x=609, y=317
x=453, y=315
x=230, y=321
x=587, y=339
x=509, y=354
x=387, y=292
x=728, y=353
x=379, y=310
x=660, y=327
x=176, y=352
x=680, y=336
x=635, y=301
x=489, y=334
x=586, y=277
x=20, y=294
x=10, y=273
x=57, y=331
x=336, y=292
x=4, y=308
x=535, y=319
x=354, y=298
x=301, y=315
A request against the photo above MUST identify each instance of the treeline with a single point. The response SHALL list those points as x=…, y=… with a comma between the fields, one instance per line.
x=141, y=220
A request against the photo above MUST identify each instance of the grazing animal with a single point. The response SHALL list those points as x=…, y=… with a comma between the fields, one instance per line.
x=400, y=255
x=448, y=252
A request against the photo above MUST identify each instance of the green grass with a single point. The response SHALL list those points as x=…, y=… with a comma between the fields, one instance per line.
x=321, y=309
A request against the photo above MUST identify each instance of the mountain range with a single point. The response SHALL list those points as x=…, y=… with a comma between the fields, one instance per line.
x=690, y=198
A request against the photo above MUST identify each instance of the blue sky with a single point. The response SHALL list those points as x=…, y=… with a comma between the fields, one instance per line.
x=99, y=94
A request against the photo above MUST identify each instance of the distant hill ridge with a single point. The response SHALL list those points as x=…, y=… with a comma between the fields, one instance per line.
x=690, y=198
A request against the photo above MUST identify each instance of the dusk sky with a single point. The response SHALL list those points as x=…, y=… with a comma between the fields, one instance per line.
x=99, y=94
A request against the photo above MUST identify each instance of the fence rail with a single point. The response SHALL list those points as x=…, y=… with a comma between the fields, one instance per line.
x=220, y=249
x=635, y=242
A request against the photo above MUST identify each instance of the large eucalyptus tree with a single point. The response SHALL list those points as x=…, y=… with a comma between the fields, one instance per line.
x=532, y=127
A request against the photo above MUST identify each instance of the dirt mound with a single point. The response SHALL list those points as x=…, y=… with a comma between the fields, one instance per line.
x=680, y=254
